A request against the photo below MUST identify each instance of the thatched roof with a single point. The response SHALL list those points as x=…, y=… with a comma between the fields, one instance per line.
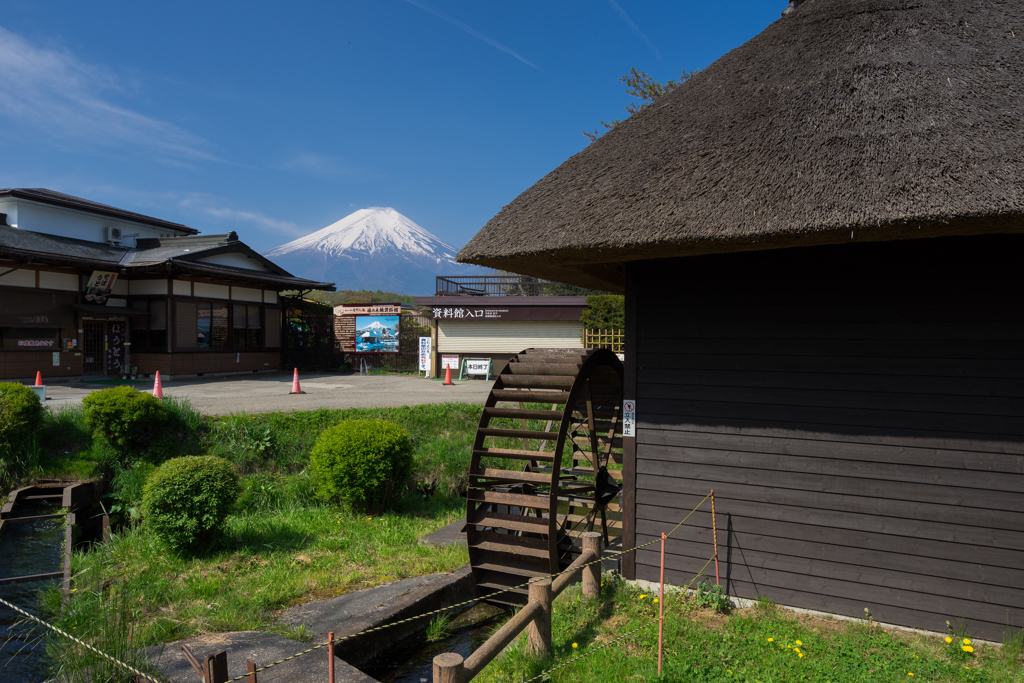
x=845, y=120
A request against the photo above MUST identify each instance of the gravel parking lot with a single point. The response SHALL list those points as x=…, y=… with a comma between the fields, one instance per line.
x=270, y=392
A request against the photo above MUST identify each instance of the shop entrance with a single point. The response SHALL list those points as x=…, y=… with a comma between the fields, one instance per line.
x=93, y=349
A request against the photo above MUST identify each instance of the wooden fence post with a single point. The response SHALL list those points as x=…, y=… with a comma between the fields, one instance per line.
x=592, y=572
x=539, y=630
x=330, y=657
x=250, y=666
x=216, y=667
x=449, y=668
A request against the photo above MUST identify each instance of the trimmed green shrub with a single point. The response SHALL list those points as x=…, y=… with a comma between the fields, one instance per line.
x=21, y=416
x=126, y=418
x=21, y=413
x=362, y=464
x=185, y=501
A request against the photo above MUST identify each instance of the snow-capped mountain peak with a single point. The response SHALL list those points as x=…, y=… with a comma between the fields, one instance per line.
x=375, y=248
x=370, y=232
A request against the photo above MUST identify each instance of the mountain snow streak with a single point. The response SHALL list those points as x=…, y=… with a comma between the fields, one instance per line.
x=376, y=248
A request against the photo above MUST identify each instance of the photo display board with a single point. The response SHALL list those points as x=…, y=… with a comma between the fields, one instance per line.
x=345, y=323
x=377, y=333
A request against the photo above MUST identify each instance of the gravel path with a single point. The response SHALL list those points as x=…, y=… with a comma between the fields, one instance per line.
x=270, y=392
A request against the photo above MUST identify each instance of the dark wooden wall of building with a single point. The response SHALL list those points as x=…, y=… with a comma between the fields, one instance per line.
x=859, y=412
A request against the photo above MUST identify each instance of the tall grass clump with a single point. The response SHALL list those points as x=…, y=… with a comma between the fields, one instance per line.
x=247, y=441
x=109, y=619
x=65, y=430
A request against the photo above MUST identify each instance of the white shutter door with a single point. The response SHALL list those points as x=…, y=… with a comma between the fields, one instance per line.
x=507, y=336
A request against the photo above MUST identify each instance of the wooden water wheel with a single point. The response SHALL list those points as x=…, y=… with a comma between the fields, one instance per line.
x=546, y=466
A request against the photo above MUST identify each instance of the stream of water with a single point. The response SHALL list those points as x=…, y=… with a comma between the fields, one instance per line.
x=26, y=548
x=414, y=663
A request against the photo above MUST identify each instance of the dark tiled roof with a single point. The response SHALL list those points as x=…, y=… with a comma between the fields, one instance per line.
x=45, y=196
x=179, y=252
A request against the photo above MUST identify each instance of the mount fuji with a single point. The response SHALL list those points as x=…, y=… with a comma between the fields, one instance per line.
x=376, y=248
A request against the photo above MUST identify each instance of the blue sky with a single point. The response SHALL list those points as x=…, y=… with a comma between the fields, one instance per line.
x=277, y=119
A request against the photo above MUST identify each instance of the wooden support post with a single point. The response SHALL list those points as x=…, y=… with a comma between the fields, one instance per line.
x=106, y=528
x=592, y=572
x=216, y=667
x=330, y=657
x=250, y=666
x=191, y=659
x=539, y=630
x=449, y=668
x=69, y=540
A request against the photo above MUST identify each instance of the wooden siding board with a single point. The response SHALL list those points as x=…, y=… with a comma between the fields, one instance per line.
x=967, y=599
x=880, y=367
x=690, y=444
x=1000, y=528
x=914, y=403
x=900, y=608
x=915, y=438
x=895, y=385
x=881, y=551
x=972, y=426
x=839, y=481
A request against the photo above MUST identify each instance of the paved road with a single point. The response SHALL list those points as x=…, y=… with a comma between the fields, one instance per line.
x=270, y=392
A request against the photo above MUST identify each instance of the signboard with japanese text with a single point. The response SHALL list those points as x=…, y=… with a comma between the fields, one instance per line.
x=345, y=323
x=470, y=312
x=478, y=367
x=450, y=361
x=629, y=418
x=100, y=285
x=425, y=353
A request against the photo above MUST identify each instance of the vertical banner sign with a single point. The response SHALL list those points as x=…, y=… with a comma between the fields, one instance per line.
x=425, y=353
x=629, y=418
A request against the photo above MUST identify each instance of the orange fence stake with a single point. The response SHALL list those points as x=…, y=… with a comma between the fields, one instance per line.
x=661, y=603
x=330, y=653
x=714, y=535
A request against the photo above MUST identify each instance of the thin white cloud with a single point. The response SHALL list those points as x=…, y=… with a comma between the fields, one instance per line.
x=471, y=31
x=318, y=164
x=212, y=206
x=634, y=27
x=64, y=97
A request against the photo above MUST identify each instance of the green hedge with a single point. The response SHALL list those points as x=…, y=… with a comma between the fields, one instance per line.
x=362, y=464
x=21, y=413
x=129, y=420
x=185, y=502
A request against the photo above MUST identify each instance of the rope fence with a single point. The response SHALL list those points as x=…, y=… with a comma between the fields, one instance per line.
x=253, y=671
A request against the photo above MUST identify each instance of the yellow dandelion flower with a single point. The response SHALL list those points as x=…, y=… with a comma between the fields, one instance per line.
x=967, y=641
x=910, y=673
x=655, y=599
x=771, y=640
x=642, y=597
x=798, y=643
x=967, y=648
x=575, y=645
x=796, y=649
x=800, y=653
x=948, y=639
x=73, y=590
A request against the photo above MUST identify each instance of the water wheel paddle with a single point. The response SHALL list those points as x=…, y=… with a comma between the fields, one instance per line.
x=533, y=490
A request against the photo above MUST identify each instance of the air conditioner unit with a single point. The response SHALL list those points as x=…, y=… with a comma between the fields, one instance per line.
x=114, y=235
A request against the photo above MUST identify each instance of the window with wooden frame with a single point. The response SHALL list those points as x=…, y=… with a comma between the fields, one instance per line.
x=246, y=326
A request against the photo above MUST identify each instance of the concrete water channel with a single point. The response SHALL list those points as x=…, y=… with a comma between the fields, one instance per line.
x=34, y=530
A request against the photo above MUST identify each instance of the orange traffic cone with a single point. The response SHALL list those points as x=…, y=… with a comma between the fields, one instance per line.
x=448, y=377
x=39, y=378
x=296, y=389
x=158, y=389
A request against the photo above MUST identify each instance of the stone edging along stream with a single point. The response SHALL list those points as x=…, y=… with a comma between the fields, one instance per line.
x=345, y=615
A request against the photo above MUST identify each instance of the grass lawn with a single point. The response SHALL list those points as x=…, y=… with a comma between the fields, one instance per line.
x=267, y=562
x=763, y=644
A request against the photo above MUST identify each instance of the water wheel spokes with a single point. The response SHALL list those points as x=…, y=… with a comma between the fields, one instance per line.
x=537, y=480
